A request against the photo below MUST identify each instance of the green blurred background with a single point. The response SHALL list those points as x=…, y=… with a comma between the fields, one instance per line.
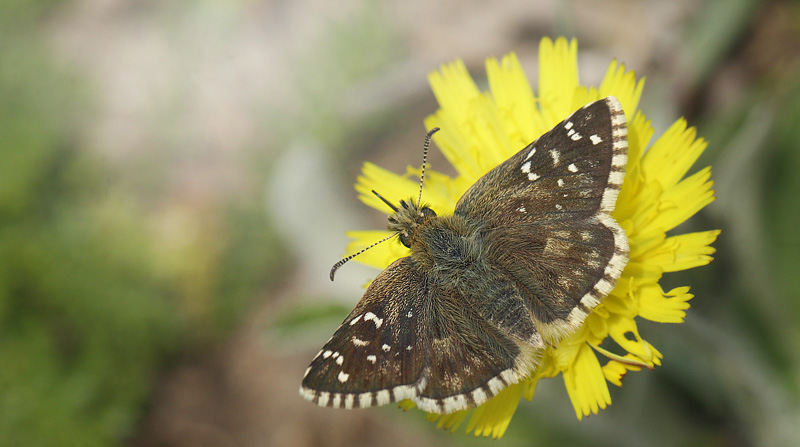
x=175, y=183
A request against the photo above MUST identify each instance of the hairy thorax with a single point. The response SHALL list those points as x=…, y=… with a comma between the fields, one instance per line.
x=450, y=248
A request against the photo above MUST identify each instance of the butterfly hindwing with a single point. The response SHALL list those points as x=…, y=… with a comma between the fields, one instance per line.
x=475, y=351
x=549, y=211
x=561, y=273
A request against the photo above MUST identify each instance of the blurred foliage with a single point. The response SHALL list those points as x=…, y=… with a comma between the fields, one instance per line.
x=299, y=320
x=330, y=77
x=89, y=316
x=781, y=217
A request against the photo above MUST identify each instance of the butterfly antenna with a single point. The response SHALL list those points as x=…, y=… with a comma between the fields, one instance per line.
x=343, y=261
x=424, y=160
x=394, y=208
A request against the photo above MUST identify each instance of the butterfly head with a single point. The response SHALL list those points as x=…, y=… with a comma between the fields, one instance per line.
x=407, y=218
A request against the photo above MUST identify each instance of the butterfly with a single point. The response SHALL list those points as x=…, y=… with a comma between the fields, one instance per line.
x=530, y=249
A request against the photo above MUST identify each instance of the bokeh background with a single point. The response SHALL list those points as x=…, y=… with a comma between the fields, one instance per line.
x=176, y=179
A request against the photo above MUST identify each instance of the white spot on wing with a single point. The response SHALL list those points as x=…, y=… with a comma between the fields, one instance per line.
x=568, y=126
x=560, y=182
x=576, y=137
x=603, y=286
x=508, y=376
x=359, y=342
x=340, y=360
x=556, y=156
x=382, y=397
x=533, y=176
x=595, y=139
x=559, y=207
x=522, y=210
x=526, y=167
x=616, y=178
x=343, y=377
x=479, y=396
x=355, y=320
x=410, y=314
x=495, y=385
x=373, y=317
x=572, y=168
x=326, y=354
x=530, y=154
x=454, y=403
x=372, y=359
x=386, y=348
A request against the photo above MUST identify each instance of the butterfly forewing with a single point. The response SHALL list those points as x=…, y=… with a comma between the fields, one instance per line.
x=563, y=175
x=433, y=346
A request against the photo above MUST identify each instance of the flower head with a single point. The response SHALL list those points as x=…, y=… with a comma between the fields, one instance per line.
x=485, y=128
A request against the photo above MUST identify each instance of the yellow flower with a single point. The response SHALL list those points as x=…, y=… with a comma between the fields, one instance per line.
x=483, y=129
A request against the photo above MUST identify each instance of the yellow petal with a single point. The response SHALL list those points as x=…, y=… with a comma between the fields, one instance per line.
x=620, y=305
x=640, y=132
x=683, y=252
x=586, y=385
x=655, y=305
x=456, y=93
x=440, y=190
x=624, y=332
x=392, y=186
x=558, y=78
x=529, y=388
x=450, y=421
x=641, y=273
x=672, y=154
x=615, y=371
x=683, y=200
x=514, y=100
x=622, y=84
x=493, y=417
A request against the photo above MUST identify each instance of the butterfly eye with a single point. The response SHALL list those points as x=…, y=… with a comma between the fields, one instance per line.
x=426, y=213
x=405, y=240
